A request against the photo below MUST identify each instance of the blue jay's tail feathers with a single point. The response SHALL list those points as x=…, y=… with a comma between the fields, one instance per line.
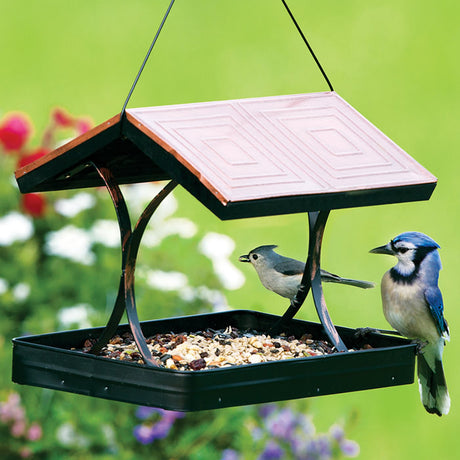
x=432, y=383
x=327, y=277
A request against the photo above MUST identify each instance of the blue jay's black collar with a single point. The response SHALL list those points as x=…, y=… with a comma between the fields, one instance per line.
x=398, y=277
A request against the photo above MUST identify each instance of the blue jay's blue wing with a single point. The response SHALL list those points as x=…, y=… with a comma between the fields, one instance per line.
x=290, y=267
x=433, y=297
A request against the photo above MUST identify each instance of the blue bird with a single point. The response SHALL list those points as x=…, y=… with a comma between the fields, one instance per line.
x=412, y=304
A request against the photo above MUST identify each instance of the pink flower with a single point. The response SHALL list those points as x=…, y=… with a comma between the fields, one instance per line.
x=18, y=428
x=62, y=118
x=82, y=125
x=11, y=410
x=25, y=452
x=34, y=204
x=15, y=130
x=31, y=157
x=35, y=432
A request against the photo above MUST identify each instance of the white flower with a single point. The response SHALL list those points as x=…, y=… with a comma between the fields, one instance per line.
x=70, y=207
x=106, y=232
x=216, y=245
x=161, y=225
x=138, y=195
x=21, y=291
x=185, y=228
x=15, y=227
x=77, y=315
x=214, y=297
x=68, y=436
x=166, y=281
x=218, y=248
x=71, y=243
x=3, y=286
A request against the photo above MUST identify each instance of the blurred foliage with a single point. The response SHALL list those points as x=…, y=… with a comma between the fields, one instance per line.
x=393, y=61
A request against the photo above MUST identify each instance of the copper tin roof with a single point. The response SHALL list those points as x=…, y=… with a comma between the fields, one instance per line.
x=246, y=157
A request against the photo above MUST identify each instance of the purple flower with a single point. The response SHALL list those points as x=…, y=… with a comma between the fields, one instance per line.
x=144, y=412
x=349, y=448
x=161, y=429
x=171, y=415
x=337, y=432
x=282, y=425
x=147, y=433
x=272, y=451
x=143, y=433
x=267, y=409
x=315, y=449
x=299, y=447
x=323, y=446
x=230, y=454
x=306, y=425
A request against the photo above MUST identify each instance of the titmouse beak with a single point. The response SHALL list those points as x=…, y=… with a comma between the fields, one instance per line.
x=244, y=258
x=386, y=249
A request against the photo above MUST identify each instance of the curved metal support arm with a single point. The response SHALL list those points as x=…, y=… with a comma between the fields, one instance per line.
x=130, y=242
x=124, y=224
x=311, y=279
x=317, y=223
x=130, y=300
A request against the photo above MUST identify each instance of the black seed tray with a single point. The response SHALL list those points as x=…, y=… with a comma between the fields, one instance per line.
x=47, y=361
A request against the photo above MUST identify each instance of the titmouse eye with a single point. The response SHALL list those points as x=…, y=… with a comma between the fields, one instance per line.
x=254, y=256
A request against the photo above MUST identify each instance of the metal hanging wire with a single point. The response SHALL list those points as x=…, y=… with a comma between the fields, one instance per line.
x=146, y=58
x=123, y=110
x=308, y=45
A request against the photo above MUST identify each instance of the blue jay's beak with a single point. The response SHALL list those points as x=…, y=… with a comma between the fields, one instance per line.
x=386, y=249
x=244, y=258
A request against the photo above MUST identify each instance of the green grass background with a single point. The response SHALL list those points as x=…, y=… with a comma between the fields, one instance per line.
x=396, y=62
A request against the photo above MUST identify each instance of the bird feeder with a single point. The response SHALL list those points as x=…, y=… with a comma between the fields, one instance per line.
x=239, y=158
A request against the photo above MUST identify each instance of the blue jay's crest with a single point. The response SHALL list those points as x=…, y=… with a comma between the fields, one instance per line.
x=419, y=240
x=414, y=247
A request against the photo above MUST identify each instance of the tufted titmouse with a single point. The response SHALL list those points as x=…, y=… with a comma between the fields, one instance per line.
x=283, y=275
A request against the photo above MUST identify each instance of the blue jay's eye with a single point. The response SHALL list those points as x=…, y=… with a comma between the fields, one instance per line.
x=403, y=250
x=255, y=256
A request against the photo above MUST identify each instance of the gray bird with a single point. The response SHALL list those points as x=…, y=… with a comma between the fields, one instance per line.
x=283, y=275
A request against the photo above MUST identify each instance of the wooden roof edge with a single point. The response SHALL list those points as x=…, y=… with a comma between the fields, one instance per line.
x=19, y=173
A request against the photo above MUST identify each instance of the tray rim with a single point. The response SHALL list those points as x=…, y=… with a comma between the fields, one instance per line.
x=28, y=341
x=53, y=367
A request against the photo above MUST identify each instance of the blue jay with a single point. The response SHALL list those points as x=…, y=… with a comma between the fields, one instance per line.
x=283, y=275
x=412, y=304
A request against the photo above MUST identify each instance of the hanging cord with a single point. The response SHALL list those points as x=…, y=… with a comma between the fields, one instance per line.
x=308, y=45
x=123, y=110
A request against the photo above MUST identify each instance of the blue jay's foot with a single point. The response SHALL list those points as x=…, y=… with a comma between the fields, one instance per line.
x=362, y=332
x=420, y=346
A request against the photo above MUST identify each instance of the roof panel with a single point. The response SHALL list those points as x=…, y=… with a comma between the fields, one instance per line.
x=281, y=146
x=246, y=157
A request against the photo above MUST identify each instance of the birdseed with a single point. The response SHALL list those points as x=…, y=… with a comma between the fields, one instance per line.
x=212, y=349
